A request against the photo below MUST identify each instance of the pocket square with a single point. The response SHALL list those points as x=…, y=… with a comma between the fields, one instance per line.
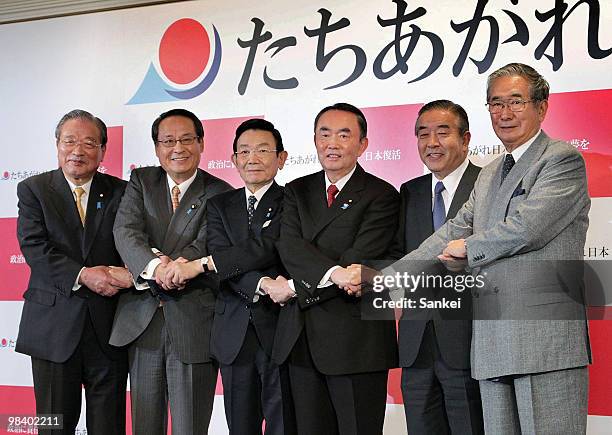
x=266, y=223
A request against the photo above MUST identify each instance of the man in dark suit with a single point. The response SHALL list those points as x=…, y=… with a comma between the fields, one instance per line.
x=161, y=218
x=64, y=227
x=338, y=363
x=243, y=227
x=439, y=393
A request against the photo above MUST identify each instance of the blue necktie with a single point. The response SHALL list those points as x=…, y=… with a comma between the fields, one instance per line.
x=439, y=213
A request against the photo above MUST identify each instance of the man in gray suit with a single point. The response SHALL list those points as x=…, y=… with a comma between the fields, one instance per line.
x=528, y=210
x=161, y=218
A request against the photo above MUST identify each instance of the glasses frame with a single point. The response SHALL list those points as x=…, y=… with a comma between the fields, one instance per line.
x=508, y=103
x=70, y=144
x=171, y=143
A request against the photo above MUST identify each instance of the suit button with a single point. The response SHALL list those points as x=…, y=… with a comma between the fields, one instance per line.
x=495, y=290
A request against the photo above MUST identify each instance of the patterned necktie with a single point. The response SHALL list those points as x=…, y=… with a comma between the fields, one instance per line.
x=332, y=191
x=508, y=164
x=439, y=212
x=175, y=198
x=79, y=192
x=251, y=209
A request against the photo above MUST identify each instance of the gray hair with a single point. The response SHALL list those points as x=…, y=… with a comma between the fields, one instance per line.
x=82, y=114
x=538, y=86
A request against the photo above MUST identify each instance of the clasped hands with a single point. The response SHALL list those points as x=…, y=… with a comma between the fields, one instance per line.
x=174, y=274
x=353, y=279
x=106, y=280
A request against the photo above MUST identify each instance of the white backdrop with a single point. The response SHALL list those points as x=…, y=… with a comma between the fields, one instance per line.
x=98, y=62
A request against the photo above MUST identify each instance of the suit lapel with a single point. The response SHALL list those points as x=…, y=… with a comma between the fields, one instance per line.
x=237, y=218
x=348, y=196
x=267, y=207
x=421, y=210
x=187, y=209
x=66, y=207
x=99, y=195
x=516, y=176
x=163, y=205
x=464, y=189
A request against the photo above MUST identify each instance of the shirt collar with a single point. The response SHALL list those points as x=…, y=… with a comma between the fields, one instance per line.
x=451, y=181
x=259, y=194
x=341, y=182
x=86, y=187
x=182, y=186
x=522, y=149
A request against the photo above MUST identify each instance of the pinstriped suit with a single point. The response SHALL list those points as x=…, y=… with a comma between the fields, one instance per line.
x=180, y=330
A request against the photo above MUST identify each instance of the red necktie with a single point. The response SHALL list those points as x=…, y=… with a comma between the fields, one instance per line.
x=332, y=191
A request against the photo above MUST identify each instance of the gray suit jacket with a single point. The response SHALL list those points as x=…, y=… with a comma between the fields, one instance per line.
x=520, y=237
x=144, y=221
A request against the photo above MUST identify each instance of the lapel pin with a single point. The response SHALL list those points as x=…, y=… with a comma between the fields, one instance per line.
x=101, y=195
x=99, y=205
x=269, y=213
x=344, y=206
x=193, y=207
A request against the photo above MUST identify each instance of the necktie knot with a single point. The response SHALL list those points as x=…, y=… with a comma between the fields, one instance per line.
x=508, y=164
x=251, y=209
x=439, y=187
x=79, y=192
x=175, y=197
x=332, y=191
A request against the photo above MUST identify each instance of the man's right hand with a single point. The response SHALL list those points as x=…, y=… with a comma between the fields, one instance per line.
x=278, y=289
x=99, y=279
x=348, y=279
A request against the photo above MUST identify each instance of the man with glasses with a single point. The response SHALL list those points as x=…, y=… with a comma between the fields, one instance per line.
x=64, y=228
x=243, y=227
x=167, y=327
x=528, y=210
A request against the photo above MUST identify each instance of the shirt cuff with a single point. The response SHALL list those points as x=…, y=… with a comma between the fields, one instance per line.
x=292, y=287
x=149, y=271
x=325, y=281
x=212, y=263
x=258, y=290
x=76, y=285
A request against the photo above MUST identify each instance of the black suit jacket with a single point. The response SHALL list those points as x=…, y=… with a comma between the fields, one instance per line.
x=358, y=226
x=242, y=259
x=416, y=225
x=56, y=247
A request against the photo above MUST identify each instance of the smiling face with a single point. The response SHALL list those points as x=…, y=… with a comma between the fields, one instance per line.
x=515, y=128
x=78, y=162
x=258, y=169
x=179, y=161
x=441, y=145
x=337, y=138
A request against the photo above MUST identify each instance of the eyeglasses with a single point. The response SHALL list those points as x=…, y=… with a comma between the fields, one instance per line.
x=70, y=143
x=515, y=105
x=169, y=143
x=261, y=153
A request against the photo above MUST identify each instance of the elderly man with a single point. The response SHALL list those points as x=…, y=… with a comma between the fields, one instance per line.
x=161, y=218
x=528, y=212
x=338, y=362
x=64, y=227
x=243, y=227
